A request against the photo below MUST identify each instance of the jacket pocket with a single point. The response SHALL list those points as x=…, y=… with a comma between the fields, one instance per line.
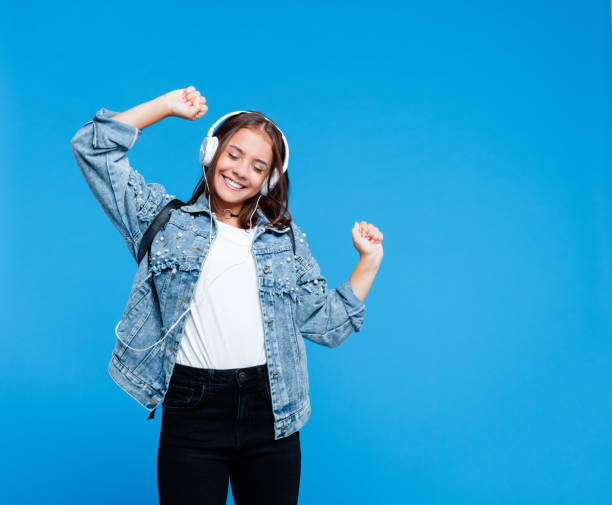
x=138, y=331
x=138, y=294
x=299, y=349
x=136, y=312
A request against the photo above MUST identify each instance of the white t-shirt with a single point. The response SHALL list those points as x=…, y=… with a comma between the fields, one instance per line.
x=224, y=328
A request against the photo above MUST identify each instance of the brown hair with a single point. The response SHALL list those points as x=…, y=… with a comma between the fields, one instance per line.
x=274, y=205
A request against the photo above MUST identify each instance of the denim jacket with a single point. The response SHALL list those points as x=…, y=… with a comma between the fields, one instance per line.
x=294, y=298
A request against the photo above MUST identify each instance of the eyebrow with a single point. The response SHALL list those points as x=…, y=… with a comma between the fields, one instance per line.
x=242, y=152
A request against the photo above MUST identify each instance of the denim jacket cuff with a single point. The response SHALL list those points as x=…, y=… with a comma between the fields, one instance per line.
x=109, y=133
x=355, y=307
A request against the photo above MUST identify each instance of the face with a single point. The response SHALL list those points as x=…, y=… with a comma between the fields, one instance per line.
x=242, y=167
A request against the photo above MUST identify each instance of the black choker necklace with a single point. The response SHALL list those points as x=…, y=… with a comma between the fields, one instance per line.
x=227, y=213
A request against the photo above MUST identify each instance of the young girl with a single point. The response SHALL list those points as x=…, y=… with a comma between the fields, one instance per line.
x=219, y=341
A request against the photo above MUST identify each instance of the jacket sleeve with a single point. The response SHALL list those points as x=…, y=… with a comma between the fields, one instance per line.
x=325, y=316
x=100, y=148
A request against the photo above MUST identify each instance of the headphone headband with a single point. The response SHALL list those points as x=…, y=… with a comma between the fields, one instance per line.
x=211, y=130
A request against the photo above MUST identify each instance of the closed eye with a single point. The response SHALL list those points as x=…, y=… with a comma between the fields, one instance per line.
x=257, y=169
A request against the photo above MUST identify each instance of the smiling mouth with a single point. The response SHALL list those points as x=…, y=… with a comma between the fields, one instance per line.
x=234, y=186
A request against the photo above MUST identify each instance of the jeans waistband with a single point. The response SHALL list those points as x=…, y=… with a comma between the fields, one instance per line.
x=252, y=375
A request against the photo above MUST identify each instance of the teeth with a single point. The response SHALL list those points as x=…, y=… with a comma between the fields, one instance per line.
x=233, y=184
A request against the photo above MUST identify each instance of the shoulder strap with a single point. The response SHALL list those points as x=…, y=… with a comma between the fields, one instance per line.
x=292, y=238
x=157, y=224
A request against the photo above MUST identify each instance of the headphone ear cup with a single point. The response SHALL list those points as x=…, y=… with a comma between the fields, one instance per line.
x=273, y=182
x=264, y=189
x=274, y=179
x=208, y=150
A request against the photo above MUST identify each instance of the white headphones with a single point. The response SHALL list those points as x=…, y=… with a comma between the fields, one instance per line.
x=210, y=144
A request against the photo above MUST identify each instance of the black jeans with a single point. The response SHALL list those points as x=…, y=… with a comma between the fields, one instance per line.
x=217, y=426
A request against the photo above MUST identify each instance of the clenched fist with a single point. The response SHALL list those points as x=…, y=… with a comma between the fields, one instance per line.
x=367, y=239
x=186, y=103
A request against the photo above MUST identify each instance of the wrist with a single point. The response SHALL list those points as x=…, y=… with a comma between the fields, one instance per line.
x=371, y=260
x=163, y=104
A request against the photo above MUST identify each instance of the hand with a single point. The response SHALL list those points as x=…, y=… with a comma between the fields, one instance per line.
x=186, y=103
x=367, y=239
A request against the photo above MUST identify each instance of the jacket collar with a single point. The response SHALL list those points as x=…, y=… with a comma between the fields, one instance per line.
x=201, y=205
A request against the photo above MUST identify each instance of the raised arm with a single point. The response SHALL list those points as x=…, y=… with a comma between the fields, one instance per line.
x=100, y=148
x=185, y=103
x=367, y=239
x=329, y=316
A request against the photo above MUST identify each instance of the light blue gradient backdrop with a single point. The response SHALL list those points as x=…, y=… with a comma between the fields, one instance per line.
x=474, y=134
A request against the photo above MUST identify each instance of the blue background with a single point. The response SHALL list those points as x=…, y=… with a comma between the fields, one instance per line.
x=475, y=135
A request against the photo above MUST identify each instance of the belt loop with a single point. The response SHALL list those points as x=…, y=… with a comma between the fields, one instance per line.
x=210, y=380
x=263, y=376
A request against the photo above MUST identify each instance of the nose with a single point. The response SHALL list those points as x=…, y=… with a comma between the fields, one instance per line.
x=240, y=170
